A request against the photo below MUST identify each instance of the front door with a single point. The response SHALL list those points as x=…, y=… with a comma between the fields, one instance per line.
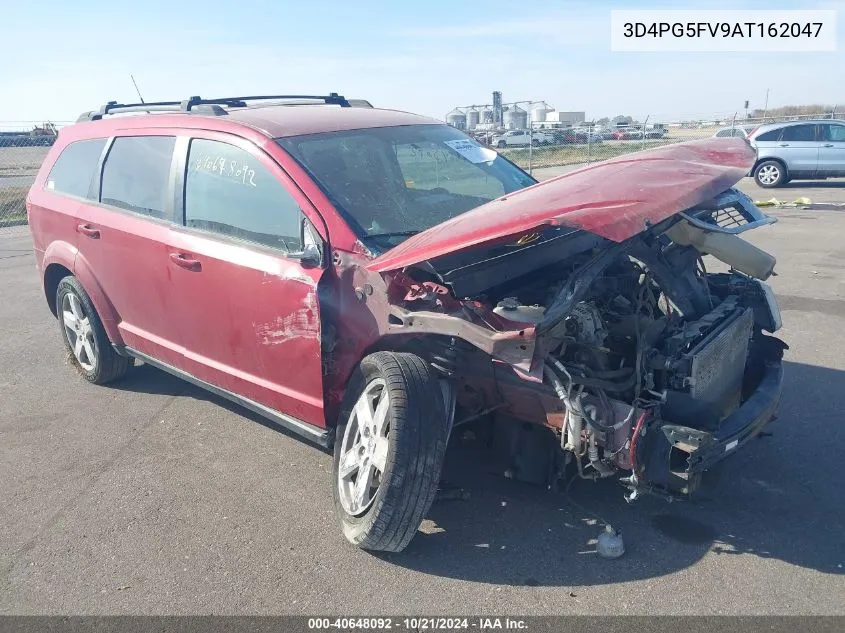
x=832, y=150
x=249, y=314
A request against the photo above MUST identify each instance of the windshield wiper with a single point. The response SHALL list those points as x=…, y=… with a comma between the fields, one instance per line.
x=395, y=234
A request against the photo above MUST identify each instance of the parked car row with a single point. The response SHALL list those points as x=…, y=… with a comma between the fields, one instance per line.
x=26, y=140
x=523, y=138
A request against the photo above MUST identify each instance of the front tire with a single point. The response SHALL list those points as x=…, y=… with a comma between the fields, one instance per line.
x=769, y=174
x=84, y=336
x=389, y=450
x=501, y=144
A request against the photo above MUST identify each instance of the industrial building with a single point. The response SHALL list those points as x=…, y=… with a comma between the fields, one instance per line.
x=515, y=115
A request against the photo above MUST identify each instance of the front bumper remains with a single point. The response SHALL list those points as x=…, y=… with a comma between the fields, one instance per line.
x=671, y=458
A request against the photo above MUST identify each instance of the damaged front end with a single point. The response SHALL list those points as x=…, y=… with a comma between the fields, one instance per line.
x=639, y=360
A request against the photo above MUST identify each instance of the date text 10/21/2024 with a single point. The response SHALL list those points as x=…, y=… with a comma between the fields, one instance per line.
x=418, y=624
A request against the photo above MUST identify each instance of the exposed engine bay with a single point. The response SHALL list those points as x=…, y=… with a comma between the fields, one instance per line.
x=647, y=353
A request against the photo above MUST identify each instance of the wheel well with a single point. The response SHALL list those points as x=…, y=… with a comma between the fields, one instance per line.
x=52, y=276
x=774, y=160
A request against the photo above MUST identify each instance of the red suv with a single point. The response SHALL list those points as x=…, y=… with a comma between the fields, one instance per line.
x=370, y=279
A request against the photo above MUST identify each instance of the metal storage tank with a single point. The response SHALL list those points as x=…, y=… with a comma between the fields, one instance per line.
x=516, y=118
x=457, y=119
x=538, y=114
x=473, y=118
x=487, y=115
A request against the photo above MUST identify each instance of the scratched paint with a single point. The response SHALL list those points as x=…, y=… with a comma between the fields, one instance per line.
x=286, y=274
x=301, y=323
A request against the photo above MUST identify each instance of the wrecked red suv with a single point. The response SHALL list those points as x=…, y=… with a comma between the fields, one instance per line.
x=370, y=279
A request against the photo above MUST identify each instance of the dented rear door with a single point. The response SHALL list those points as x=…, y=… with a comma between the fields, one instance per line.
x=249, y=314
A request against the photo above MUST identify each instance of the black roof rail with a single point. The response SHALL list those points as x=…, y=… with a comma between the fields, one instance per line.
x=241, y=102
x=113, y=107
x=213, y=106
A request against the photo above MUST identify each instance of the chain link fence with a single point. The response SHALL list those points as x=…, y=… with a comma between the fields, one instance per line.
x=568, y=148
x=23, y=146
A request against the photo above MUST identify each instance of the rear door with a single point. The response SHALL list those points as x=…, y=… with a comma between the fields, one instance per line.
x=123, y=239
x=832, y=150
x=249, y=313
x=799, y=148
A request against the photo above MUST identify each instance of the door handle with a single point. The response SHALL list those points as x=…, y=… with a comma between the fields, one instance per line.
x=88, y=230
x=180, y=259
x=784, y=145
x=828, y=145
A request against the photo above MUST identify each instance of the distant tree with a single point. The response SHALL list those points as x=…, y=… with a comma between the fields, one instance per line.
x=603, y=121
x=621, y=118
x=798, y=110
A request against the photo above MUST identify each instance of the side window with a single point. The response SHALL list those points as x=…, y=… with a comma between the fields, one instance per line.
x=771, y=135
x=136, y=174
x=432, y=166
x=799, y=133
x=73, y=171
x=227, y=191
x=834, y=133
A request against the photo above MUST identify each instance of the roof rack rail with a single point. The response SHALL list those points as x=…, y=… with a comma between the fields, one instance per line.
x=332, y=98
x=213, y=106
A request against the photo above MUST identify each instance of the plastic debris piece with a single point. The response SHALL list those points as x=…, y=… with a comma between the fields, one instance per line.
x=609, y=543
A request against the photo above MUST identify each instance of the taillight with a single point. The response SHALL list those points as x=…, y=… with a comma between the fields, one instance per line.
x=751, y=133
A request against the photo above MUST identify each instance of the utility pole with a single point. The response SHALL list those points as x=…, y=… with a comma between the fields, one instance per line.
x=746, y=109
x=766, y=107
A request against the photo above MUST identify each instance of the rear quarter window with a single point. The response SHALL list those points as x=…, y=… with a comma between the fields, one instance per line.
x=771, y=135
x=75, y=168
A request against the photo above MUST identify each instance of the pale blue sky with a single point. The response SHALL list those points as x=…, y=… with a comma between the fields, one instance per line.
x=424, y=56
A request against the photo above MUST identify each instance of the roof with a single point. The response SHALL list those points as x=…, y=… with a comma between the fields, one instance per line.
x=776, y=124
x=273, y=120
x=293, y=120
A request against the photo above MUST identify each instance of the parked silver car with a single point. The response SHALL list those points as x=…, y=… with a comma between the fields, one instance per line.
x=741, y=131
x=798, y=150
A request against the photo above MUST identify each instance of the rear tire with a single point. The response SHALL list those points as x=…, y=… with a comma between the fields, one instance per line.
x=770, y=174
x=394, y=417
x=88, y=345
x=501, y=144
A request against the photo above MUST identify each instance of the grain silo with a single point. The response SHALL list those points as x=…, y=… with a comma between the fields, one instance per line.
x=457, y=119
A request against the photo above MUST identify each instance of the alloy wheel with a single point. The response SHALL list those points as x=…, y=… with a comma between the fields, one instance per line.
x=364, y=449
x=80, y=334
x=768, y=174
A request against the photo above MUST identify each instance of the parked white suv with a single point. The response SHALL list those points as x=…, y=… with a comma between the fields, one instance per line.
x=513, y=138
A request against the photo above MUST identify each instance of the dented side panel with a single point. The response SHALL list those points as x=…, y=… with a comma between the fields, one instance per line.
x=250, y=323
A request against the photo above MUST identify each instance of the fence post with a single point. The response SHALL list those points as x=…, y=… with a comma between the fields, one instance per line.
x=530, y=148
x=642, y=143
x=590, y=139
x=733, y=123
x=833, y=113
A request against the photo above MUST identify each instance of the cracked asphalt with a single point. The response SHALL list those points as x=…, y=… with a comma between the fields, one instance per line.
x=153, y=497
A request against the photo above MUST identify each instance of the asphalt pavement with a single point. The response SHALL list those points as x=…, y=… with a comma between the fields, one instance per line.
x=153, y=497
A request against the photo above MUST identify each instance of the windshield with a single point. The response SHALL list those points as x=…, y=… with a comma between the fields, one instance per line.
x=393, y=182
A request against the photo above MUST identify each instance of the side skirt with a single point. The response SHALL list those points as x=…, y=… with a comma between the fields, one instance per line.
x=321, y=437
